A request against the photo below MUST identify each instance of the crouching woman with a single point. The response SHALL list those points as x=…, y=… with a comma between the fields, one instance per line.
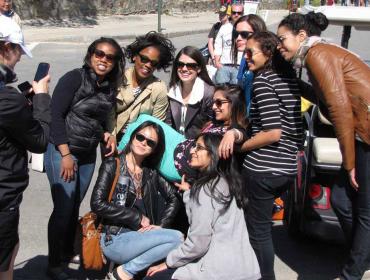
x=217, y=245
x=142, y=206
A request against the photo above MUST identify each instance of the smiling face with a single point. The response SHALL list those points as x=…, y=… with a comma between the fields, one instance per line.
x=5, y=6
x=144, y=142
x=289, y=43
x=237, y=11
x=221, y=107
x=103, y=59
x=200, y=156
x=187, y=68
x=254, y=56
x=146, y=62
x=241, y=40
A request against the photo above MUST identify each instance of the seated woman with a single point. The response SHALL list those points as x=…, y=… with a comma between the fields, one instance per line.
x=144, y=93
x=143, y=204
x=217, y=245
x=190, y=94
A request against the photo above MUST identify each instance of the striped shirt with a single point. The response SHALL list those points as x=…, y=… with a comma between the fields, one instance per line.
x=276, y=104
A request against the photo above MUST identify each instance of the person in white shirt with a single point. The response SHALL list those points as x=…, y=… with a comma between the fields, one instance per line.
x=6, y=9
x=227, y=70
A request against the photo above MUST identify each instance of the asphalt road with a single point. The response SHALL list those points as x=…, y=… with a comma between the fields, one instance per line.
x=295, y=259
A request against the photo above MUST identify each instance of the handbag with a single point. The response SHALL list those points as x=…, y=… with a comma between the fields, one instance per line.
x=91, y=252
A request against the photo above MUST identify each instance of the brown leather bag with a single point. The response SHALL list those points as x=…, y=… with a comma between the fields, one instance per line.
x=92, y=255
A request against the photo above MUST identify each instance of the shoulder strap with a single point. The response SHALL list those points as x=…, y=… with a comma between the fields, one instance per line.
x=116, y=176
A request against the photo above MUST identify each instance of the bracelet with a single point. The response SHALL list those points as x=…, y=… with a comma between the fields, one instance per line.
x=65, y=155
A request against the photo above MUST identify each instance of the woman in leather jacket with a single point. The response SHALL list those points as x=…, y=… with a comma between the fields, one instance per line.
x=341, y=81
x=82, y=108
x=142, y=206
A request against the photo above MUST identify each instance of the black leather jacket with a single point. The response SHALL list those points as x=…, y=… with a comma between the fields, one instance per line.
x=160, y=199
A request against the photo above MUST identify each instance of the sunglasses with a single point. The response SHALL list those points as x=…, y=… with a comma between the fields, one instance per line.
x=189, y=66
x=250, y=53
x=141, y=138
x=237, y=13
x=243, y=34
x=144, y=59
x=219, y=102
x=197, y=148
x=100, y=54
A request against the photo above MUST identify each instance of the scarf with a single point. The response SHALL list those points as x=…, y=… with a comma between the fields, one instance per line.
x=299, y=58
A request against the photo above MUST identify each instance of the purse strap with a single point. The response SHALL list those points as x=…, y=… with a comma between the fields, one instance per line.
x=116, y=176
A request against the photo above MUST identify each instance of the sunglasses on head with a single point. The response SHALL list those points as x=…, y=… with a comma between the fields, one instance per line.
x=189, y=66
x=219, y=102
x=100, y=54
x=243, y=34
x=141, y=138
x=237, y=13
x=250, y=53
x=144, y=59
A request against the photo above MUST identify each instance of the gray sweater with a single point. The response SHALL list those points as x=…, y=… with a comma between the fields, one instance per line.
x=217, y=246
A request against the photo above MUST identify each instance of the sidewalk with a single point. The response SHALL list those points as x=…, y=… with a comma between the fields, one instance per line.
x=126, y=27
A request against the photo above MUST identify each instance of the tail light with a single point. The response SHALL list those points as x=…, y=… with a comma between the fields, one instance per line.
x=320, y=196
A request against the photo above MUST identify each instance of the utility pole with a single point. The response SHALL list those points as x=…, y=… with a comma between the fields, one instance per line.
x=159, y=15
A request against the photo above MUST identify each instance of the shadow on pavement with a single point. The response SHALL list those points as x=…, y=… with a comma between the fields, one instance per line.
x=309, y=258
x=35, y=268
x=67, y=22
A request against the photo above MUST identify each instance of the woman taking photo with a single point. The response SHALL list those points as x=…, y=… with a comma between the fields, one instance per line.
x=190, y=94
x=341, y=82
x=275, y=119
x=144, y=93
x=22, y=128
x=82, y=116
x=217, y=245
x=143, y=204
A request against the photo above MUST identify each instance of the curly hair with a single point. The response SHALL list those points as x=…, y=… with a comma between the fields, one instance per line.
x=116, y=76
x=157, y=40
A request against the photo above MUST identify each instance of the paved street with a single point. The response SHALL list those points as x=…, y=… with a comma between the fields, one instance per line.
x=295, y=259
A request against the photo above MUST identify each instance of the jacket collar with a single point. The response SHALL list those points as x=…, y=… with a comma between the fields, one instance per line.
x=196, y=95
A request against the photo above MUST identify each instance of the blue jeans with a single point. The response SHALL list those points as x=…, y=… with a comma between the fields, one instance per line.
x=353, y=211
x=227, y=74
x=136, y=251
x=67, y=197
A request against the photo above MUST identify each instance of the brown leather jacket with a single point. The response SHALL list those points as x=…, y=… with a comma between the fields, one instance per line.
x=342, y=83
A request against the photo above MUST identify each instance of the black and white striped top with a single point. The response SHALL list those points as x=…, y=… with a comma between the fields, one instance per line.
x=276, y=103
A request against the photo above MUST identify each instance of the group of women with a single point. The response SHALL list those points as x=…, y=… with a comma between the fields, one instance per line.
x=238, y=151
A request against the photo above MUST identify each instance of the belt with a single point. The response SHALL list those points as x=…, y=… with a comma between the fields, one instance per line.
x=230, y=64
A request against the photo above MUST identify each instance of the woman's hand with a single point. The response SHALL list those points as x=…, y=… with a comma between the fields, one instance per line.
x=68, y=168
x=352, y=179
x=41, y=86
x=183, y=186
x=148, y=228
x=145, y=222
x=226, y=147
x=111, y=143
x=157, y=268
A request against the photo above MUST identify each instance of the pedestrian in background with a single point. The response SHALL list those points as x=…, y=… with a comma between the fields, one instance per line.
x=6, y=9
x=270, y=164
x=83, y=111
x=22, y=128
x=341, y=82
x=144, y=93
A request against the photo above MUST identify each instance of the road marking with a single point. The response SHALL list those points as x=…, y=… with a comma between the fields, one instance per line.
x=31, y=46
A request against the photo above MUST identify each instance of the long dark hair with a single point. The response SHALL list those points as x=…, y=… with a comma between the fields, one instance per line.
x=217, y=169
x=268, y=42
x=234, y=94
x=195, y=54
x=157, y=40
x=155, y=157
x=313, y=23
x=116, y=76
x=257, y=24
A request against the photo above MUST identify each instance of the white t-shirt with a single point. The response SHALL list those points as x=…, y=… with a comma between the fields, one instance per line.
x=223, y=43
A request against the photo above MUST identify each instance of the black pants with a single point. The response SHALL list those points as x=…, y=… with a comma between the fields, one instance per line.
x=261, y=190
x=353, y=211
x=163, y=275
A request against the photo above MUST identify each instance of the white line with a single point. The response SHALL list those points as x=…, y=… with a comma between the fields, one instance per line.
x=31, y=46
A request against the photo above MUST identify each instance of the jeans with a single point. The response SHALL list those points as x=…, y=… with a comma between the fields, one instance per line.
x=353, y=211
x=67, y=197
x=136, y=251
x=261, y=190
x=227, y=74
